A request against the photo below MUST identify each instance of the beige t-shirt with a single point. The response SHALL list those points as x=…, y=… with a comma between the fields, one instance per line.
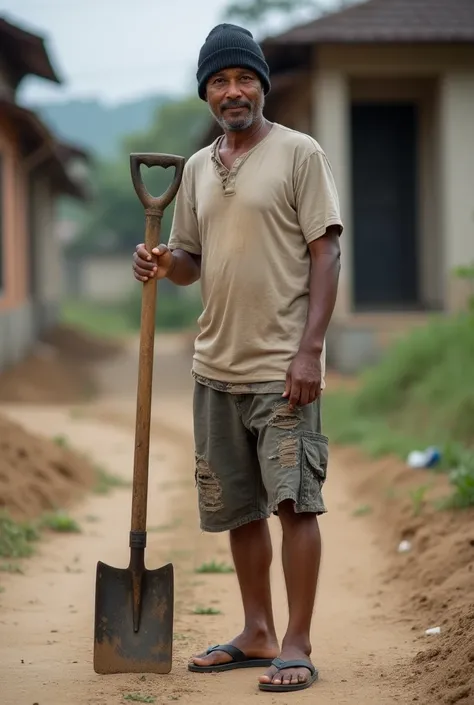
x=252, y=226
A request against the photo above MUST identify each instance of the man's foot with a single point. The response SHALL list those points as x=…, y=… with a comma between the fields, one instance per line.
x=259, y=645
x=288, y=676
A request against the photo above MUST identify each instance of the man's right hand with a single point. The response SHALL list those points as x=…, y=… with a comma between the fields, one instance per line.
x=146, y=267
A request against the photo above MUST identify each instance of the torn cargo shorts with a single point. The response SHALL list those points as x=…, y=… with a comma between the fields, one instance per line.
x=252, y=453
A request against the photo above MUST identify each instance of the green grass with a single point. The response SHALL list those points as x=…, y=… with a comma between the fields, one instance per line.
x=137, y=698
x=362, y=511
x=97, y=319
x=174, y=312
x=60, y=522
x=418, y=498
x=462, y=482
x=11, y=568
x=214, y=567
x=61, y=441
x=16, y=538
x=206, y=611
x=106, y=481
x=421, y=394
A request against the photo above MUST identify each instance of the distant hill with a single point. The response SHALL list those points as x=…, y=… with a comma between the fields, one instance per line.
x=98, y=127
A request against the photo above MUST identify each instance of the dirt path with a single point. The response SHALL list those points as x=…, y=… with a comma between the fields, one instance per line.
x=46, y=615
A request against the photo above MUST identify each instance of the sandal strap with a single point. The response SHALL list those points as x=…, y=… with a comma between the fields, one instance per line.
x=236, y=654
x=297, y=663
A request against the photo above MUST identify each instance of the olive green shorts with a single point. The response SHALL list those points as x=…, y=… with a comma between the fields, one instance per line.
x=252, y=453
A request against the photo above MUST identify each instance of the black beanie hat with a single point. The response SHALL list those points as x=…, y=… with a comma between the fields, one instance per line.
x=230, y=46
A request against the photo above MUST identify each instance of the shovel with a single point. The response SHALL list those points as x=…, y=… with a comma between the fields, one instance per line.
x=134, y=606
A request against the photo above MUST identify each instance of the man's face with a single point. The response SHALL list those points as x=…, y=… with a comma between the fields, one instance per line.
x=235, y=98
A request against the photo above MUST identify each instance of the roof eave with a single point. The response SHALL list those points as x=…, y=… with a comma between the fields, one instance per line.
x=41, y=65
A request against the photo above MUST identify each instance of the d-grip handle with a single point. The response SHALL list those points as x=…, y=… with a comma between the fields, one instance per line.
x=164, y=160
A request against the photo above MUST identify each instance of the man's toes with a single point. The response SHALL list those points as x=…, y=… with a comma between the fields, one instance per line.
x=302, y=677
x=268, y=676
x=213, y=659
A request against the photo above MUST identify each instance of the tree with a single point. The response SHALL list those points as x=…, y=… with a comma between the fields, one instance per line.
x=116, y=216
x=257, y=13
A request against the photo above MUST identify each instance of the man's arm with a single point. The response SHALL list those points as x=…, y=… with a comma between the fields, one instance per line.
x=303, y=379
x=325, y=253
x=317, y=205
x=185, y=268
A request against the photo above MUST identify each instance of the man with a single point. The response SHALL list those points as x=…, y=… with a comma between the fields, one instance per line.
x=257, y=221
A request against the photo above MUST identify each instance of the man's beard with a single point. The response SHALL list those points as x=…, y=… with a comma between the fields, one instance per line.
x=242, y=122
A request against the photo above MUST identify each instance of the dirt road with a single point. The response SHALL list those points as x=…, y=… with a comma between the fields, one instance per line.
x=46, y=615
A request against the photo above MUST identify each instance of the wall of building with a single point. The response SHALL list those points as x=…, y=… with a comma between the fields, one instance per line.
x=29, y=292
x=440, y=79
x=105, y=279
x=46, y=267
x=457, y=160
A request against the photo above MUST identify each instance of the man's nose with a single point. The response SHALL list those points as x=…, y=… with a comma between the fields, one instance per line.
x=233, y=90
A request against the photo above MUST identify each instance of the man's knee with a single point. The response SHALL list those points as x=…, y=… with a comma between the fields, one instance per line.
x=288, y=514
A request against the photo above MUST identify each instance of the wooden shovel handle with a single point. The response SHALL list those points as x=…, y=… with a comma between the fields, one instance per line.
x=154, y=207
x=165, y=161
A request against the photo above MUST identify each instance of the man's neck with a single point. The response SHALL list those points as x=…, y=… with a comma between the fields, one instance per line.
x=243, y=140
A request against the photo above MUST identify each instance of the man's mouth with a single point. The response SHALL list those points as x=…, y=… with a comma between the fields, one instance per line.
x=235, y=107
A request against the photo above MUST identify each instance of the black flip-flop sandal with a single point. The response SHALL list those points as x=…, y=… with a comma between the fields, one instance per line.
x=239, y=660
x=290, y=687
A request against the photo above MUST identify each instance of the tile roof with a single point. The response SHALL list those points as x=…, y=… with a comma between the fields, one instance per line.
x=388, y=21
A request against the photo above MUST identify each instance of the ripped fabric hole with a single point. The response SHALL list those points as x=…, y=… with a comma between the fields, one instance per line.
x=209, y=487
x=285, y=418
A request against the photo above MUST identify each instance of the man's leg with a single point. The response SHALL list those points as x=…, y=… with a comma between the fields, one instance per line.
x=301, y=555
x=293, y=455
x=232, y=498
x=252, y=553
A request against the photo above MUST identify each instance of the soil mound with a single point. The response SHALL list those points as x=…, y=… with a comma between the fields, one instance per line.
x=60, y=370
x=37, y=474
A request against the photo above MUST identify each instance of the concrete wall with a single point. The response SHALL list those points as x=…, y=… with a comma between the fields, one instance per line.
x=440, y=79
x=105, y=279
x=30, y=291
x=46, y=268
x=17, y=333
x=457, y=160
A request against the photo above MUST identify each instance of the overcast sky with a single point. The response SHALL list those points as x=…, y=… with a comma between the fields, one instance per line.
x=118, y=50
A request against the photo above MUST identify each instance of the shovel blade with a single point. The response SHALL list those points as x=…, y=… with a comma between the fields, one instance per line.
x=117, y=647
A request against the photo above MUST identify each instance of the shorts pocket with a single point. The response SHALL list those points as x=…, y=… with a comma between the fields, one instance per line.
x=314, y=463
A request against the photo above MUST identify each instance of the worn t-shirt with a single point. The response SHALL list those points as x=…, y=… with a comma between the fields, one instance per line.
x=252, y=225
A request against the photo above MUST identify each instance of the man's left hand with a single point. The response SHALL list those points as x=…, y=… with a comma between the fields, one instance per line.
x=303, y=380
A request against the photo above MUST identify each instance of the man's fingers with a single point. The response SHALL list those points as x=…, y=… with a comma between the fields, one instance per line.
x=305, y=396
x=142, y=253
x=294, y=395
x=287, y=391
x=139, y=271
x=160, y=250
x=147, y=265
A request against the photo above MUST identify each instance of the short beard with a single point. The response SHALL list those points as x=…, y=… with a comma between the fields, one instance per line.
x=243, y=123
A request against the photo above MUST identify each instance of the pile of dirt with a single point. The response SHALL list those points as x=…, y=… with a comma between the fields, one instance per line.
x=436, y=575
x=37, y=474
x=60, y=370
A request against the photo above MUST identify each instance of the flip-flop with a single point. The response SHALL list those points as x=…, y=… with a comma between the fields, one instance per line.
x=290, y=687
x=239, y=660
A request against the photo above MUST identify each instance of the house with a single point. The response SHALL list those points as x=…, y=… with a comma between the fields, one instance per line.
x=387, y=89
x=35, y=170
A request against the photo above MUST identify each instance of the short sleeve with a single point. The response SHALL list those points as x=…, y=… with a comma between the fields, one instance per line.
x=316, y=198
x=184, y=229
